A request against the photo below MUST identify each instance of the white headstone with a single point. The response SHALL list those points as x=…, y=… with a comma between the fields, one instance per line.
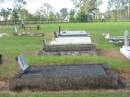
x=107, y=36
x=125, y=50
x=126, y=38
x=15, y=29
x=22, y=63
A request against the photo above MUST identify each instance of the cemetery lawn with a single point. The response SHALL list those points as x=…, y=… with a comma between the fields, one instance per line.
x=12, y=46
x=65, y=94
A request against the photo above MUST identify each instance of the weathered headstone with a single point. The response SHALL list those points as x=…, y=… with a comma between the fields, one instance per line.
x=22, y=63
x=45, y=44
x=23, y=24
x=15, y=30
x=55, y=35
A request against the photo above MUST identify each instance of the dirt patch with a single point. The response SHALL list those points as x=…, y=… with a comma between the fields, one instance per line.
x=110, y=53
x=126, y=80
x=123, y=70
x=4, y=85
x=124, y=74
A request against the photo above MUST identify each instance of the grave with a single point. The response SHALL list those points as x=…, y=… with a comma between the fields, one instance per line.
x=64, y=77
x=65, y=33
x=70, y=33
x=116, y=40
x=69, y=43
x=125, y=50
x=27, y=33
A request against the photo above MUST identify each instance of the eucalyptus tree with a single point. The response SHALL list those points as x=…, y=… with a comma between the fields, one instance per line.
x=64, y=12
x=17, y=5
x=45, y=10
x=87, y=5
x=72, y=15
x=118, y=6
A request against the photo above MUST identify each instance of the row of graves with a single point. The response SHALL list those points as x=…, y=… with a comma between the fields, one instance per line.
x=123, y=41
x=65, y=77
x=27, y=30
x=69, y=43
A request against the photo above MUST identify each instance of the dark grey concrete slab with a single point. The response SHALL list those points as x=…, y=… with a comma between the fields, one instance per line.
x=65, y=71
x=65, y=77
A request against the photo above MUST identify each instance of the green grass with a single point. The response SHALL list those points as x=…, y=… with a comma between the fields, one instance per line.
x=66, y=94
x=12, y=46
x=50, y=60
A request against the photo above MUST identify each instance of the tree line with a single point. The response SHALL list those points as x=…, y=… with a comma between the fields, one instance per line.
x=85, y=11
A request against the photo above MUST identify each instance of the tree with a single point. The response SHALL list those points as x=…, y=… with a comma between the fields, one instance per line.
x=117, y=6
x=17, y=5
x=81, y=16
x=86, y=7
x=45, y=10
x=5, y=13
x=72, y=14
x=64, y=12
x=23, y=14
x=58, y=16
x=52, y=16
x=129, y=9
x=15, y=16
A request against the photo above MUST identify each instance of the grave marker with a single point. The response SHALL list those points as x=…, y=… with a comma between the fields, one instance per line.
x=22, y=63
x=125, y=50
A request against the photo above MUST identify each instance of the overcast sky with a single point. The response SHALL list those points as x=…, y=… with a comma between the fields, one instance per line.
x=33, y=5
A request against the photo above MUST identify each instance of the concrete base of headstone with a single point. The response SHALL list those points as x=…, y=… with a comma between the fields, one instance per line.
x=125, y=51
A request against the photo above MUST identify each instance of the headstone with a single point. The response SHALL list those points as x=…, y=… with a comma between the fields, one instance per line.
x=59, y=30
x=23, y=24
x=45, y=44
x=15, y=29
x=125, y=50
x=55, y=35
x=22, y=63
x=126, y=39
x=1, y=61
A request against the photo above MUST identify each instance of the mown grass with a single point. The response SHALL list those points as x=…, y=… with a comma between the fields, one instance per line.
x=50, y=60
x=66, y=94
x=11, y=46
